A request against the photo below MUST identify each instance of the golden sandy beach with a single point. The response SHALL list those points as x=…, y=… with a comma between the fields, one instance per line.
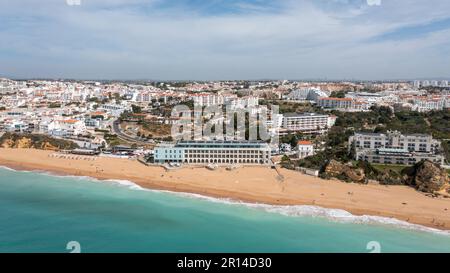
x=250, y=184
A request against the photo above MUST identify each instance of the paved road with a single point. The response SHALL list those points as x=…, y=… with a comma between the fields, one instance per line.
x=123, y=136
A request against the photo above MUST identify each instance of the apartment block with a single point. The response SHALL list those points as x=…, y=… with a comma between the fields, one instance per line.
x=336, y=103
x=307, y=123
x=396, y=148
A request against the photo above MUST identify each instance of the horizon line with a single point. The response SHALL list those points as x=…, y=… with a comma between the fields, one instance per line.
x=224, y=80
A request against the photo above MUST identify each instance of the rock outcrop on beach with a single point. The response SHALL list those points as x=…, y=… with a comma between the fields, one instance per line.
x=344, y=172
x=425, y=176
x=429, y=177
x=33, y=141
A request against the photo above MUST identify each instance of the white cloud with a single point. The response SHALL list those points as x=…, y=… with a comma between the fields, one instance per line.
x=303, y=40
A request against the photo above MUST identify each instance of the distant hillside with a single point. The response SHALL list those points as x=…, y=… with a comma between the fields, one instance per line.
x=28, y=141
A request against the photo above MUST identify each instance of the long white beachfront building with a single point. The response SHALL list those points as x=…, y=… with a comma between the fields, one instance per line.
x=214, y=152
x=307, y=123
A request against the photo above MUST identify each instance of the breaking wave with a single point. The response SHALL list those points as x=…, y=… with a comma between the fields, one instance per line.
x=335, y=215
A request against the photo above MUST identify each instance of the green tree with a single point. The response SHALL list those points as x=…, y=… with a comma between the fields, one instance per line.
x=338, y=94
x=136, y=109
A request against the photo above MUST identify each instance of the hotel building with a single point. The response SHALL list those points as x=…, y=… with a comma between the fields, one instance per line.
x=429, y=104
x=307, y=123
x=307, y=94
x=337, y=103
x=206, y=99
x=395, y=148
x=214, y=152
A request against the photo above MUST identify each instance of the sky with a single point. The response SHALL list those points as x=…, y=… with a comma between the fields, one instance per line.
x=225, y=39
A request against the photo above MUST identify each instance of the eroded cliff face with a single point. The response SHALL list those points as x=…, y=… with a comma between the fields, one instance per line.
x=424, y=176
x=7, y=143
x=29, y=141
x=431, y=178
x=48, y=146
x=345, y=172
x=23, y=143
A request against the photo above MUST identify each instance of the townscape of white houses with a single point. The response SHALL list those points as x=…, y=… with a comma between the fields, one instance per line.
x=79, y=110
x=409, y=99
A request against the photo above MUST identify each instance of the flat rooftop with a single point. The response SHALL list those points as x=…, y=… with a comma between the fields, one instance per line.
x=294, y=115
x=222, y=144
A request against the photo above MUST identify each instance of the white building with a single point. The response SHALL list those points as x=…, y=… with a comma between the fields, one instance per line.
x=142, y=96
x=395, y=148
x=69, y=127
x=114, y=109
x=15, y=126
x=307, y=94
x=214, y=152
x=244, y=102
x=337, y=103
x=205, y=100
x=305, y=149
x=417, y=84
x=208, y=99
x=307, y=123
x=429, y=104
x=369, y=98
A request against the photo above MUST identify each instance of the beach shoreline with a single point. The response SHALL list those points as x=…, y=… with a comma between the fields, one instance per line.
x=249, y=184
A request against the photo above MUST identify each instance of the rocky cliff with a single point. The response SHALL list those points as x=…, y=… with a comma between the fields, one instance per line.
x=28, y=141
x=429, y=177
x=345, y=172
x=424, y=176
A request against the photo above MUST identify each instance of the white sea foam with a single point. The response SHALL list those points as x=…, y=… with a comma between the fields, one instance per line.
x=125, y=183
x=343, y=216
x=8, y=169
x=335, y=215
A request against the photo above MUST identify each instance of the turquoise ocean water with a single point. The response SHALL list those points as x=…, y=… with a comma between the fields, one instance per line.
x=42, y=213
